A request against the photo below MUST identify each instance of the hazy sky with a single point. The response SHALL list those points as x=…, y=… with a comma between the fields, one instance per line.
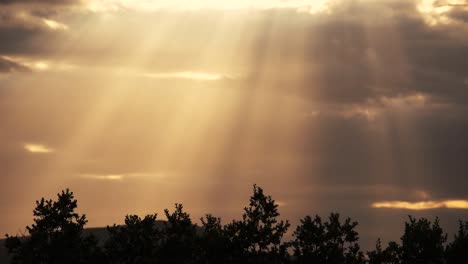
x=359, y=107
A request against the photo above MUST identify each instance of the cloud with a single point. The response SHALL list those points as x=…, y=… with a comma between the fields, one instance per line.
x=27, y=64
x=55, y=25
x=27, y=31
x=27, y=25
x=9, y=65
x=424, y=205
x=38, y=148
x=439, y=11
x=347, y=42
x=121, y=177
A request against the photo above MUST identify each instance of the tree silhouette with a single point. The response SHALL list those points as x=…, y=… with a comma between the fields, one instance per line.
x=215, y=246
x=135, y=242
x=457, y=251
x=391, y=255
x=179, y=236
x=258, y=235
x=55, y=236
x=422, y=242
x=327, y=242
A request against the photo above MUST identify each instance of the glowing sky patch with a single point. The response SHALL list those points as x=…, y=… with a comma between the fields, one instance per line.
x=109, y=177
x=413, y=100
x=435, y=10
x=281, y=203
x=367, y=113
x=424, y=205
x=432, y=6
x=41, y=66
x=122, y=176
x=185, y=75
x=37, y=148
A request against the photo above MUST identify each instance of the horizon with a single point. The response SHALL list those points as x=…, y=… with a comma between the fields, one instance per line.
x=355, y=107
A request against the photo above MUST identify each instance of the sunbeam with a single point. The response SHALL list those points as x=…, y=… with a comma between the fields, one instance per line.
x=357, y=107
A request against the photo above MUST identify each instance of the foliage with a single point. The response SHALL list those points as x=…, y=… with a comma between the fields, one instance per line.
x=391, y=255
x=457, y=251
x=179, y=237
x=55, y=236
x=327, y=242
x=214, y=244
x=422, y=242
x=135, y=242
x=257, y=237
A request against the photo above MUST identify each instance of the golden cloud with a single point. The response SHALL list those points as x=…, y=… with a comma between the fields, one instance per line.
x=38, y=148
x=422, y=205
x=54, y=25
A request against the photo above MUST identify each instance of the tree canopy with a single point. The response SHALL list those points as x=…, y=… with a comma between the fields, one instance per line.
x=56, y=236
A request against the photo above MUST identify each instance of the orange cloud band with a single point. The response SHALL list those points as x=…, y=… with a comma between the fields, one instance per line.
x=425, y=205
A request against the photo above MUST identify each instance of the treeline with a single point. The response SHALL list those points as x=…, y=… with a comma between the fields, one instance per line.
x=57, y=237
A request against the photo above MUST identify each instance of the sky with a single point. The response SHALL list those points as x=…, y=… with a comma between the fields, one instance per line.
x=351, y=106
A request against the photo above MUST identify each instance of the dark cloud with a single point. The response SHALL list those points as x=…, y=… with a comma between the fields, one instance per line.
x=359, y=52
x=20, y=40
x=22, y=25
x=441, y=3
x=402, y=54
x=459, y=13
x=24, y=32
